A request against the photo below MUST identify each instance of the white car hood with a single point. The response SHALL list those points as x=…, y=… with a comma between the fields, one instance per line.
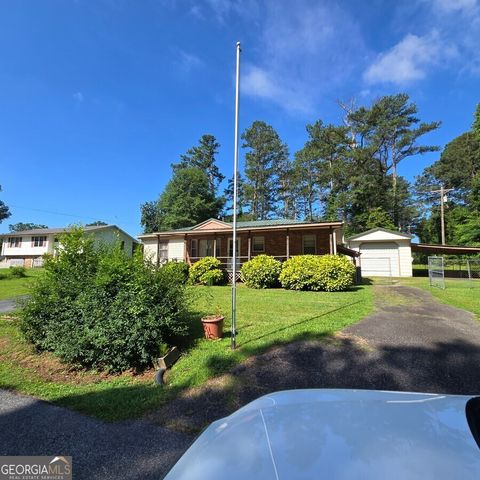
x=337, y=434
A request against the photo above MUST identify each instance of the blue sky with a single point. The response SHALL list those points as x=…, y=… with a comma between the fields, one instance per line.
x=99, y=97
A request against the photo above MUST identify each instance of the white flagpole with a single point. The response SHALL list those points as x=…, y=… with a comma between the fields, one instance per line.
x=235, y=186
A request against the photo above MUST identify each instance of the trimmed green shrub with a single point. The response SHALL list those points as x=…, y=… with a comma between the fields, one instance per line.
x=261, y=272
x=18, y=271
x=178, y=269
x=96, y=307
x=336, y=273
x=207, y=271
x=330, y=273
x=301, y=273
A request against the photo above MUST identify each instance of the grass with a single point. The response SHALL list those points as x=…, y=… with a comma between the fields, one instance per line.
x=458, y=293
x=12, y=286
x=265, y=318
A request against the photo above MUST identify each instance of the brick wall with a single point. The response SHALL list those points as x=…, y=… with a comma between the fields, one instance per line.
x=275, y=242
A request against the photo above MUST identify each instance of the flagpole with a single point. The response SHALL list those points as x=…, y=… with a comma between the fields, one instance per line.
x=235, y=186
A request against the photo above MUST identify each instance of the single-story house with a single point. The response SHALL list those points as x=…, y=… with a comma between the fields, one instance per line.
x=383, y=253
x=26, y=248
x=279, y=238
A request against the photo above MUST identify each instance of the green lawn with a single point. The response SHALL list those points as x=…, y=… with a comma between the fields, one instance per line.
x=12, y=287
x=458, y=293
x=264, y=318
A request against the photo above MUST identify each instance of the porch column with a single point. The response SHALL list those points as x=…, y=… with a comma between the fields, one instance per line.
x=185, y=249
x=215, y=246
x=334, y=242
x=330, y=236
x=249, y=246
x=288, y=244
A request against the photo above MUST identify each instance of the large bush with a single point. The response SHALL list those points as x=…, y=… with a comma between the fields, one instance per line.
x=311, y=272
x=336, y=273
x=179, y=270
x=207, y=271
x=261, y=272
x=95, y=307
x=301, y=273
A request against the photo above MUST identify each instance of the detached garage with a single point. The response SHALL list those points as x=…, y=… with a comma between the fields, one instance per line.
x=383, y=253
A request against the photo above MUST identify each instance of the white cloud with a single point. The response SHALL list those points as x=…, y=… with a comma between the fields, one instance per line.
x=78, y=97
x=257, y=82
x=307, y=50
x=409, y=60
x=449, y=6
x=188, y=61
x=223, y=9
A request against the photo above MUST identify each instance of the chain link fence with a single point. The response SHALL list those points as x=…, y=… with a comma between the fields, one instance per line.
x=441, y=268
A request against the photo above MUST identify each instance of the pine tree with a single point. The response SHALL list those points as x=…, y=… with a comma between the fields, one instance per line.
x=203, y=157
x=264, y=160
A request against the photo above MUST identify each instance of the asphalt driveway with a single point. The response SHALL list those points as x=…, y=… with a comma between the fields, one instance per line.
x=103, y=451
x=10, y=303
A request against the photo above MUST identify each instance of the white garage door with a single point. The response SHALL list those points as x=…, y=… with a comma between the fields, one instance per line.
x=379, y=259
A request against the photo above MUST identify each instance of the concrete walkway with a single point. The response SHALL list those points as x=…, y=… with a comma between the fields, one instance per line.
x=103, y=451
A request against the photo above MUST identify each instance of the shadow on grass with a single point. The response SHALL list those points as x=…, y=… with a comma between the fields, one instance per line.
x=290, y=325
x=444, y=367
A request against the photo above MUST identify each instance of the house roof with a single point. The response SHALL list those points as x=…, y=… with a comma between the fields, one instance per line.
x=245, y=225
x=59, y=230
x=379, y=229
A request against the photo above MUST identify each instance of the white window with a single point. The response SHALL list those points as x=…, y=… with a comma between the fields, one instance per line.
x=163, y=250
x=258, y=244
x=205, y=248
x=39, y=241
x=14, y=242
x=194, y=248
x=309, y=245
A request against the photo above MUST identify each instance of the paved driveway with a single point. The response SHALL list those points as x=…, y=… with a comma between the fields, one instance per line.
x=107, y=451
x=10, y=303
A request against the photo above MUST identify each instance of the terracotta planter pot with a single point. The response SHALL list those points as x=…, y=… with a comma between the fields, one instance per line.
x=213, y=326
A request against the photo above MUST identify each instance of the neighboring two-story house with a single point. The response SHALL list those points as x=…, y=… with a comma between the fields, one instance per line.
x=27, y=248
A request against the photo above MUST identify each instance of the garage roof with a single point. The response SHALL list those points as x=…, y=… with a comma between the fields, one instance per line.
x=389, y=235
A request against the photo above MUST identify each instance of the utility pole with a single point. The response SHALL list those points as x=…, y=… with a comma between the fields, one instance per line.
x=443, y=198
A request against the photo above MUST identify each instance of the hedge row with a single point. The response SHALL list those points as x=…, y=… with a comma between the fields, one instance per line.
x=330, y=273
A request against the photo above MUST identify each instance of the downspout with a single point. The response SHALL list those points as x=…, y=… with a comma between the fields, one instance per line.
x=158, y=250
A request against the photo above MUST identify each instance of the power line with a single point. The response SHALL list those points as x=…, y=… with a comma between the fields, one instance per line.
x=51, y=212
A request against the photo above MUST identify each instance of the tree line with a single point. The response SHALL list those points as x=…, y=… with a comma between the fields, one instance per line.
x=343, y=172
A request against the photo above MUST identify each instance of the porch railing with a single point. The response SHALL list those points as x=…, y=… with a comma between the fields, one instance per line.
x=227, y=262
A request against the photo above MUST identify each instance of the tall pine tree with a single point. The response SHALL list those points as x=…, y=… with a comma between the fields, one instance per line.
x=265, y=161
